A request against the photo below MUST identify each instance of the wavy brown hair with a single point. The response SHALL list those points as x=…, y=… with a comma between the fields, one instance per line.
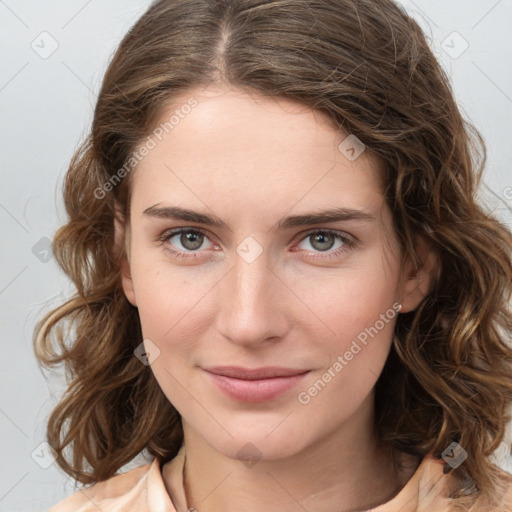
x=367, y=65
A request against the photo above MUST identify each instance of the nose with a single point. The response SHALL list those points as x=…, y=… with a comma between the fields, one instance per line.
x=252, y=303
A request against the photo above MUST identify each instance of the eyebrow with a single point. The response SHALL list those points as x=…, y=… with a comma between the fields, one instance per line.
x=306, y=219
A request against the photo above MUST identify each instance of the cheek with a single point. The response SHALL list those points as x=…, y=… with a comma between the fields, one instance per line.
x=350, y=301
x=352, y=363
x=360, y=310
x=167, y=296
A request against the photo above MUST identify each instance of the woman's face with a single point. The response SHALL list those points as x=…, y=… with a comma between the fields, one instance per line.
x=261, y=284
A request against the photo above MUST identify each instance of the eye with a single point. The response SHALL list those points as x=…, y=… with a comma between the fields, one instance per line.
x=324, y=240
x=190, y=239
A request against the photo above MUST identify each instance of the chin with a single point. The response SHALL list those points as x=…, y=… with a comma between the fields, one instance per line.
x=262, y=441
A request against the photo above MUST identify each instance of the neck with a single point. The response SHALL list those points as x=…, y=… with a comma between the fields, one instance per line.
x=345, y=471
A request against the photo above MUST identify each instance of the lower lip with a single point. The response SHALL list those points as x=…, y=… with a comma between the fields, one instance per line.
x=254, y=391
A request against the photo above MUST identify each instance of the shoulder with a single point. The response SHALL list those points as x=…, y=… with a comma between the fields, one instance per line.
x=124, y=492
x=501, y=500
x=430, y=489
x=503, y=493
x=443, y=486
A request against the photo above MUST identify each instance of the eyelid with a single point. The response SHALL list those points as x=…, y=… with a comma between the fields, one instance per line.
x=169, y=233
x=335, y=232
x=349, y=240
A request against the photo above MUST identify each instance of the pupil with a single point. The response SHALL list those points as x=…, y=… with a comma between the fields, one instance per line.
x=193, y=238
x=323, y=236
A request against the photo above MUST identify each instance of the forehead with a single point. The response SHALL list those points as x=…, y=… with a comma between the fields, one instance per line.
x=242, y=147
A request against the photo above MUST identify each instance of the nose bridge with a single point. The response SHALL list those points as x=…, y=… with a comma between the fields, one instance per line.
x=250, y=279
x=249, y=312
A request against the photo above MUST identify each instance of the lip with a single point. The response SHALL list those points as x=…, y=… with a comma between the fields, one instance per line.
x=255, y=385
x=266, y=372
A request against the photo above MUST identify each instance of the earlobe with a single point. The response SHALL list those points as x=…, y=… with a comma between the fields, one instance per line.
x=418, y=281
x=121, y=251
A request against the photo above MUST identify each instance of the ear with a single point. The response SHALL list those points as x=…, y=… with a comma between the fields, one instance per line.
x=417, y=281
x=122, y=251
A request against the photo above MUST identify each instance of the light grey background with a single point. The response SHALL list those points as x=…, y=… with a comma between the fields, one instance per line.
x=46, y=107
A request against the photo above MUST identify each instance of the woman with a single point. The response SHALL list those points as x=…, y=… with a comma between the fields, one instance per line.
x=286, y=292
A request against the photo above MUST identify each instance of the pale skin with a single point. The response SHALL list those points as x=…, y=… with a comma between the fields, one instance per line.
x=252, y=161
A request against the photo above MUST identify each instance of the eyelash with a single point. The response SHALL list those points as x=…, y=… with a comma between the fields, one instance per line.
x=349, y=243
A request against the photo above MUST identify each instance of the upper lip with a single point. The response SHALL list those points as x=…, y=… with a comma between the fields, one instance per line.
x=267, y=372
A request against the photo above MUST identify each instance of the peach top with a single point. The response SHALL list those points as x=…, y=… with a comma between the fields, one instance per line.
x=143, y=490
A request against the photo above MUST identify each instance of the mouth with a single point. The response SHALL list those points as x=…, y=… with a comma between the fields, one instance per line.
x=255, y=385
